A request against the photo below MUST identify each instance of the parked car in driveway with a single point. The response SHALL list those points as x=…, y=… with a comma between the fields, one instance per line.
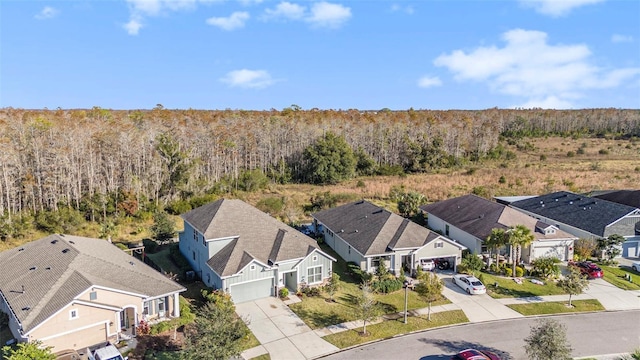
x=589, y=269
x=470, y=284
x=473, y=354
x=427, y=264
x=636, y=266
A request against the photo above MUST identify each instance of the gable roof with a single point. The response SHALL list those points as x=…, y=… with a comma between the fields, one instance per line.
x=255, y=236
x=580, y=211
x=64, y=267
x=624, y=197
x=478, y=216
x=373, y=230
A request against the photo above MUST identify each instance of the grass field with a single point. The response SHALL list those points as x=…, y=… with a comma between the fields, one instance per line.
x=509, y=288
x=616, y=276
x=546, y=308
x=389, y=328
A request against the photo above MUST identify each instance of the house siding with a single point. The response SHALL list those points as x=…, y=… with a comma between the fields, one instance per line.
x=625, y=226
x=346, y=251
x=308, y=262
x=188, y=246
x=471, y=242
x=247, y=275
x=112, y=298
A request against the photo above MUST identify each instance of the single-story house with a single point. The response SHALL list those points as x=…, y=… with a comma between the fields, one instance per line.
x=367, y=234
x=76, y=292
x=587, y=217
x=631, y=247
x=237, y=248
x=469, y=220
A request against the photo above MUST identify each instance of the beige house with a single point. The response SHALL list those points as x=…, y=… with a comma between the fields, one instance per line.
x=76, y=292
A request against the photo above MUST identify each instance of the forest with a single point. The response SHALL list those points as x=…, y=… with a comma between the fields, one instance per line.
x=92, y=164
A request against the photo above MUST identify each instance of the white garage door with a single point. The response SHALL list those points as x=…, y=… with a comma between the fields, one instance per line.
x=252, y=290
x=551, y=251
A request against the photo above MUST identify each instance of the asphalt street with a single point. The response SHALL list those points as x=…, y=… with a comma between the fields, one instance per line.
x=600, y=333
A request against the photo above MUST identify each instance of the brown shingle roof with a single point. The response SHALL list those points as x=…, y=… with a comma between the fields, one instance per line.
x=257, y=235
x=66, y=266
x=373, y=230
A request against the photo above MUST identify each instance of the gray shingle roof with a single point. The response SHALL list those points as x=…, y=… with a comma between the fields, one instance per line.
x=258, y=235
x=625, y=197
x=66, y=266
x=373, y=230
x=580, y=211
x=478, y=216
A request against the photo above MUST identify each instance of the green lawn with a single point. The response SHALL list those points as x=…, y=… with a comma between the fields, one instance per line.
x=546, y=308
x=162, y=259
x=615, y=276
x=262, y=357
x=509, y=288
x=390, y=328
x=318, y=313
x=249, y=342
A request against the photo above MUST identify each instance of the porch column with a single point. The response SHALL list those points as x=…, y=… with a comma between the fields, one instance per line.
x=176, y=305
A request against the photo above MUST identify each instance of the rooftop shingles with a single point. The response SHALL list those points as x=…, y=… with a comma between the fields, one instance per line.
x=257, y=235
x=60, y=276
x=580, y=211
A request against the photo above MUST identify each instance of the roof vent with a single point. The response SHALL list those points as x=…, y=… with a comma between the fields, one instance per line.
x=377, y=211
x=64, y=251
x=26, y=308
x=21, y=249
x=33, y=268
x=54, y=241
x=48, y=268
x=71, y=242
x=570, y=202
x=356, y=230
x=131, y=263
x=341, y=230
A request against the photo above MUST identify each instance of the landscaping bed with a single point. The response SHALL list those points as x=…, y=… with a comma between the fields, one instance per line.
x=507, y=287
x=559, y=307
x=616, y=276
x=390, y=328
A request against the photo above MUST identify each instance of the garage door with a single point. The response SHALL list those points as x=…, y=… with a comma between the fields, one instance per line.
x=79, y=339
x=252, y=290
x=551, y=251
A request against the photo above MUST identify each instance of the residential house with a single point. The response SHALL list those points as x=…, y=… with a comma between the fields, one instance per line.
x=586, y=217
x=367, y=234
x=470, y=219
x=75, y=292
x=237, y=248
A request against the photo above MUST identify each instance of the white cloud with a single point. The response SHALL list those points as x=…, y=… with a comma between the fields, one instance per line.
x=47, y=13
x=324, y=14
x=286, y=10
x=427, y=81
x=233, y=22
x=397, y=8
x=617, y=38
x=250, y=79
x=550, y=102
x=140, y=9
x=557, y=8
x=528, y=67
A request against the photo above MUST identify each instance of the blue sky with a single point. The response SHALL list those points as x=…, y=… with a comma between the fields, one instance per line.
x=262, y=54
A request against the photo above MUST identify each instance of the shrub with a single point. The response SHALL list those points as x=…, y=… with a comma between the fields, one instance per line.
x=359, y=275
x=311, y=291
x=545, y=267
x=543, y=157
x=603, y=152
x=150, y=246
x=571, y=154
x=502, y=179
x=178, y=207
x=580, y=151
x=494, y=268
x=508, y=271
x=386, y=286
x=143, y=328
x=519, y=271
x=160, y=327
x=471, y=171
x=283, y=293
x=360, y=184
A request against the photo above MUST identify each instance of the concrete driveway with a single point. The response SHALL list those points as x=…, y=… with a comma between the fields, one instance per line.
x=280, y=331
x=477, y=307
x=612, y=297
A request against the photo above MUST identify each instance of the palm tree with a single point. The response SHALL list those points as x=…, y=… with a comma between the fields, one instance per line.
x=519, y=236
x=496, y=240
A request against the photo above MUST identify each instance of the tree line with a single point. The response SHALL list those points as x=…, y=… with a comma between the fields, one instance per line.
x=101, y=162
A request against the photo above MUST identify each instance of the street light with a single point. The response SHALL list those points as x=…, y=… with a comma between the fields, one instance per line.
x=405, y=285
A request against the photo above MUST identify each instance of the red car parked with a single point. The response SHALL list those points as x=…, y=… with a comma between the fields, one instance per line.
x=591, y=270
x=472, y=354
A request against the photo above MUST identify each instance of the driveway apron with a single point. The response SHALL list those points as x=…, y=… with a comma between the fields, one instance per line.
x=280, y=330
x=612, y=297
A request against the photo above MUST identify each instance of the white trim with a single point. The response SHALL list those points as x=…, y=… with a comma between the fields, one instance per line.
x=100, y=306
x=248, y=281
x=631, y=214
x=106, y=324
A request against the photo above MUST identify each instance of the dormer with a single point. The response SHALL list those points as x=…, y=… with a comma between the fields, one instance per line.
x=545, y=228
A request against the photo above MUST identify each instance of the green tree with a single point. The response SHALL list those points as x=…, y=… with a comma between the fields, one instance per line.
x=497, y=239
x=573, y=283
x=409, y=203
x=546, y=267
x=519, y=236
x=472, y=263
x=108, y=229
x=217, y=333
x=611, y=245
x=429, y=289
x=367, y=307
x=365, y=165
x=28, y=351
x=333, y=285
x=329, y=161
x=583, y=248
x=177, y=165
x=163, y=228
x=547, y=340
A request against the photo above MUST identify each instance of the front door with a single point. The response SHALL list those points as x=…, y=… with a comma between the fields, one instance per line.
x=124, y=319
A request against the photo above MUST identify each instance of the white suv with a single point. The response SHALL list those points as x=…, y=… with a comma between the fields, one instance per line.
x=108, y=352
x=636, y=266
x=427, y=264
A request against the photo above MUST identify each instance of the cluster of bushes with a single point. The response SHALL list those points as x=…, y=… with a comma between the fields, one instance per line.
x=186, y=317
x=150, y=246
x=283, y=293
x=506, y=269
x=309, y=291
x=545, y=267
x=182, y=206
x=357, y=273
x=386, y=286
x=179, y=259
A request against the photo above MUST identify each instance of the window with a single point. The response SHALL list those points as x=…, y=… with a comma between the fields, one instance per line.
x=161, y=305
x=93, y=295
x=193, y=253
x=446, y=230
x=375, y=262
x=439, y=244
x=349, y=249
x=208, y=279
x=252, y=267
x=314, y=275
x=145, y=308
x=73, y=314
x=204, y=242
x=195, y=235
x=315, y=258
